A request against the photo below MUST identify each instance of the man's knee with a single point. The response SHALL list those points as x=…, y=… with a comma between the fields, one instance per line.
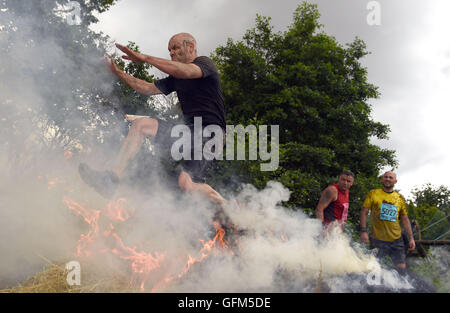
x=185, y=182
x=144, y=126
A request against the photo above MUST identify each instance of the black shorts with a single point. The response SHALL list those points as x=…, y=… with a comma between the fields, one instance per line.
x=394, y=249
x=164, y=141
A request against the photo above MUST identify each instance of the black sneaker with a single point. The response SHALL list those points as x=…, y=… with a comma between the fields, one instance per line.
x=104, y=182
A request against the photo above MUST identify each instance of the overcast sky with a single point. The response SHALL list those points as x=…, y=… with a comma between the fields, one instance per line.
x=409, y=60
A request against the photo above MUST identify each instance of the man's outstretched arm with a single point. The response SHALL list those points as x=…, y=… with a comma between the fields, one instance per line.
x=173, y=68
x=328, y=195
x=137, y=84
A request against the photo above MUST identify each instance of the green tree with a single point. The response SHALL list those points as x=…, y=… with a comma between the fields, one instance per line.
x=317, y=91
x=57, y=94
x=58, y=64
x=430, y=207
x=131, y=101
x=56, y=90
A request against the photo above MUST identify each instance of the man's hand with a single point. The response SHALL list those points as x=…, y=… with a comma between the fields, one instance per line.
x=111, y=65
x=412, y=244
x=130, y=54
x=365, y=237
x=407, y=226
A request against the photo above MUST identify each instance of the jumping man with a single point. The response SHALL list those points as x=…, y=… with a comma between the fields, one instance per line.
x=196, y=81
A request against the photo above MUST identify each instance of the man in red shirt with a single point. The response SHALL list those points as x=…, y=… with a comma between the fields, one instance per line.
x=334, y=201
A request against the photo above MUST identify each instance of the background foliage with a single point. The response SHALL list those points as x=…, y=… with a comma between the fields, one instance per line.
x=317, y=91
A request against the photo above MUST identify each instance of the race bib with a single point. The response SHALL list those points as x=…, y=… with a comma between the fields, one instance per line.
x=388, y=212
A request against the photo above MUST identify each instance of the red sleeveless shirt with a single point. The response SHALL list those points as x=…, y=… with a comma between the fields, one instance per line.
x=337, y=210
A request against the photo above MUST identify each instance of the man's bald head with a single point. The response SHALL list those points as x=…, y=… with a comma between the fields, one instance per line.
x=389, y=180
x=185, y=39
x=183, y=47
x=391, y=173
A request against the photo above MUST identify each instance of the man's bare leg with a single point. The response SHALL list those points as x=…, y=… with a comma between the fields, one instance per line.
x=140, y=128
x=106, y=182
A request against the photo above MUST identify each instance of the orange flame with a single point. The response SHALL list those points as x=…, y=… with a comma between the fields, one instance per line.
x=142, y=263
x=91, y=217
x=204, y=253
x=115, y=211
x=67, y=155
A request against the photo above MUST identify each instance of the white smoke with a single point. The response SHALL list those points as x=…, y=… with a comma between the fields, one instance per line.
x=280, y=250
x=34, y=71
x=275, y=250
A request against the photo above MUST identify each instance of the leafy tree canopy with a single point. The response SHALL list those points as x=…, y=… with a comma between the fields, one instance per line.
x=317, y=91
x=430, y=207
x=55, y=80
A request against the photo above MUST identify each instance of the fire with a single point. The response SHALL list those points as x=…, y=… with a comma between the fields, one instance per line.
x=102, y=227
x=52, y=182
x=90, y=217
x=116, y=211
x=67, y=155
x=143, y=264
x=217, y=241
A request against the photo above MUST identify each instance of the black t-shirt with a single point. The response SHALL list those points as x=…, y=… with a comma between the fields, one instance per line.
x=198, y=97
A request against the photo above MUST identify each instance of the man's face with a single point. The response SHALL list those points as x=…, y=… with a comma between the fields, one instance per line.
x=389, y=180
x=178, y=50
x=345, y=182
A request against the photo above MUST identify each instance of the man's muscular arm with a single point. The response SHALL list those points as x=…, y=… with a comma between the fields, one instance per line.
x=173, y=68
x=328, y=195
x=363, y=224
x=137, y=84
x=407, y=227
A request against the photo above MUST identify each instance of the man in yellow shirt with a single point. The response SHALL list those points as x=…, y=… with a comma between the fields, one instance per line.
x=387, y=208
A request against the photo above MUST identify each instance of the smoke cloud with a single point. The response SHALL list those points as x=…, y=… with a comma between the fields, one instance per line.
x=46, y=111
